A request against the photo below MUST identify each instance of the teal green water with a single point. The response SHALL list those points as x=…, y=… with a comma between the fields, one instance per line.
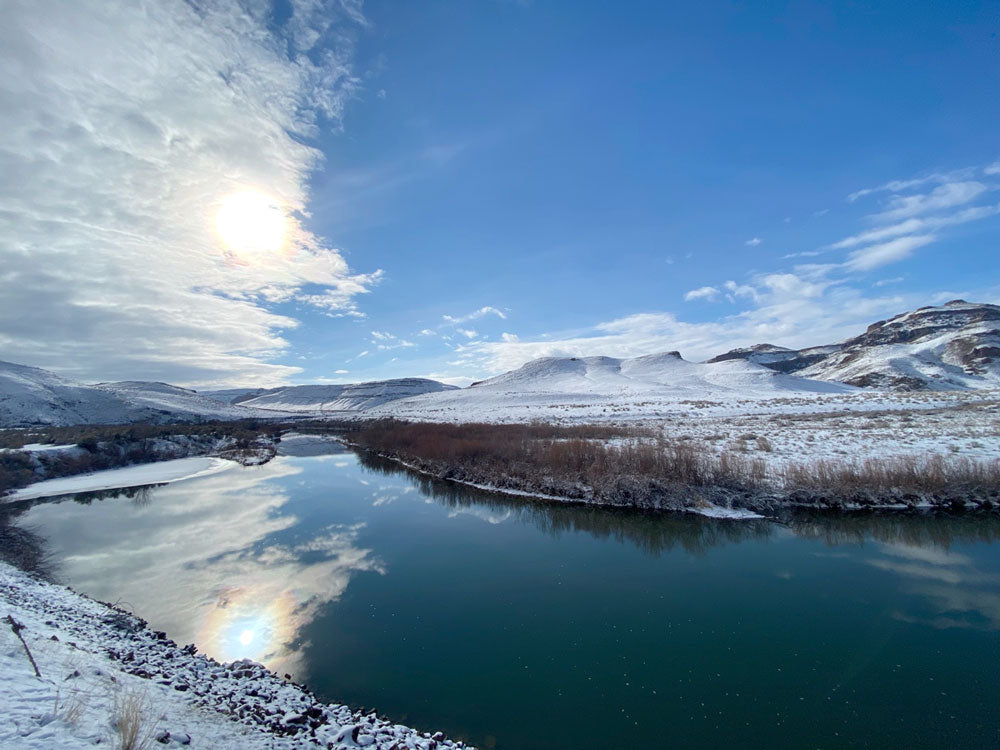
x=520, y=625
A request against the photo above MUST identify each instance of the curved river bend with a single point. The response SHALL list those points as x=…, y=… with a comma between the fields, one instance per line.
x=512, y=624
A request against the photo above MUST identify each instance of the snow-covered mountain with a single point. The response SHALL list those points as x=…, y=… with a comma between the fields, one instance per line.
x=593, y=386
x=951, y=347
x=955, y=346
x=351, y=397
x=31, y=396
x=778, y=357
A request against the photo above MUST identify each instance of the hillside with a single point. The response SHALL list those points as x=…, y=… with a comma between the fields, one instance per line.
x=31, y=396
x=351, y=397
x=592, y=386
x=955, y=346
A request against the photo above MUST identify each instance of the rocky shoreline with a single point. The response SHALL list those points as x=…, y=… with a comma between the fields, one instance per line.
x=91, y=654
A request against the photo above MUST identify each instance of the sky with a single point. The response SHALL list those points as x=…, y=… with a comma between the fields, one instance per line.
x=227, y=193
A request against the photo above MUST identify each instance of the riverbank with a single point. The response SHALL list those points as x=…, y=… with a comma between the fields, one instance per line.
x=28, y=457
x=640, y=469
x=103, y=675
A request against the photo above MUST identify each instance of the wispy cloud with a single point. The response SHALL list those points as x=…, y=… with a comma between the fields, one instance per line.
x=753, y=242
x=122, y=128
x=897, y=186
x=948, y=195
x=708, y=293
x=482, y=312
x=385, y=341
x=911, y=226
x=883, y=253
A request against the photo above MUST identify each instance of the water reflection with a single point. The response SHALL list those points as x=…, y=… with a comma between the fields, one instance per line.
x=947, y=588
x=204, y=565
x=224, y=562
x=652, y=532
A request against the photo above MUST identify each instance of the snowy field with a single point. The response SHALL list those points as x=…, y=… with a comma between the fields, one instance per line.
x=792, y=427
x=100, y=671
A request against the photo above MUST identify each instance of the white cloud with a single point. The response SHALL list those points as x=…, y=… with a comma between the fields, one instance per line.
x=708, y=293
x=874, y=256
x=385, y=341
x=122, y=127
x=887, y=282
x=482, y=312
x=753, y=242
x=739, y=290
x=897, y=186
x=510, y=338
x=428, y=332
x=992, y=169
x=798, y=308
x=910, y=226
x=948, y=195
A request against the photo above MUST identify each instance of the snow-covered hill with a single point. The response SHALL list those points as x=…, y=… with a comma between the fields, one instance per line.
x=31, y=396
x=955, y=346
x=952, y=347
x=351, y=397
x=163, y=398
x=778, y=357
x=236, y=395
x=592, y=386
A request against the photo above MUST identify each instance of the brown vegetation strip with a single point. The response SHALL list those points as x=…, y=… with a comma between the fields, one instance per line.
x=642, y=468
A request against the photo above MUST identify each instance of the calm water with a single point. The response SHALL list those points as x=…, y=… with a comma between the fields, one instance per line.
x=517, y=625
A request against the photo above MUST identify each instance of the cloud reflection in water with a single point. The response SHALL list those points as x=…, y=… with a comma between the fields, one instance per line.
x=198, y=561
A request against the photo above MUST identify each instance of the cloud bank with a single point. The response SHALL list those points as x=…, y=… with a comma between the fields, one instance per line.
x=123, y=126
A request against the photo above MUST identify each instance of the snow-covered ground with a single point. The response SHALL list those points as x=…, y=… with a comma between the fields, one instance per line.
x=778, y=428
x=98, y=665
x=160, y=472
x=728, y=405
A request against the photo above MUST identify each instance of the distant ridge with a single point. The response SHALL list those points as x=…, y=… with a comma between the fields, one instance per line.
x=955, y=346
x=352, y=397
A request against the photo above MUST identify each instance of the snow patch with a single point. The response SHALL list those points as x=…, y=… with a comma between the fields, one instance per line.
x=160, y=472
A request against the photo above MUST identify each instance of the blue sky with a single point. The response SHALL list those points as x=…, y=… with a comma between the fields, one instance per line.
x=576, y=163
x=485, y=182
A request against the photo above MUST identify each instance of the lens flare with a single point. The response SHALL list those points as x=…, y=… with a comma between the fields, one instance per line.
x=251, y=222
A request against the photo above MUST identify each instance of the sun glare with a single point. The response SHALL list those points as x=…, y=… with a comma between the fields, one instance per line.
x=250, y=222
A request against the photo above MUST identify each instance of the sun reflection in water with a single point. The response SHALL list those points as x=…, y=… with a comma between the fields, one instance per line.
x=247, y=623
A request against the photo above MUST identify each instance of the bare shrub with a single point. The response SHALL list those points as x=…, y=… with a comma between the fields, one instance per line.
x=763, y=444
x=927, y=474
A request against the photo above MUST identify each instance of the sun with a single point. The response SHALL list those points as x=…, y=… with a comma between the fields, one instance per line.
x=251, y=222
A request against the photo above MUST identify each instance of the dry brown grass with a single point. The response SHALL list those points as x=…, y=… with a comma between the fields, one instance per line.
x=920, y=474
x=131, y=714
x=589, y=454
x=638, y=467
